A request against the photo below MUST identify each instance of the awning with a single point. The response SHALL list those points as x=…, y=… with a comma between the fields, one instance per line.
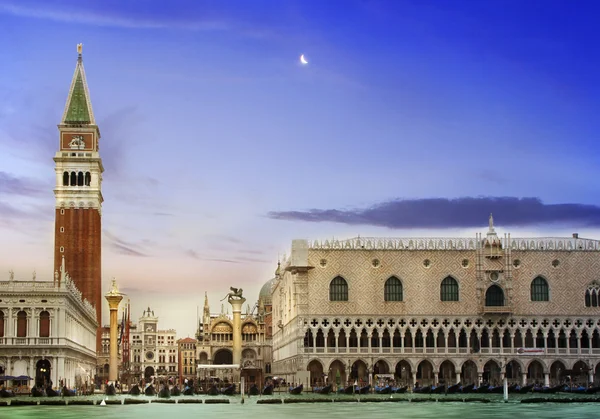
x=22, y=377
x=6, y=377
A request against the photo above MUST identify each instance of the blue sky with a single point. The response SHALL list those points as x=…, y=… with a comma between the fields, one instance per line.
x=220, y=148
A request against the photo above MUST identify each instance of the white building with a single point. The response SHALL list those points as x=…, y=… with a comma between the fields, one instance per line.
x=153, y=351
x=47, y=332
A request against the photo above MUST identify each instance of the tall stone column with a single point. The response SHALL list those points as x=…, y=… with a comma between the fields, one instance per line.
x=113, y=297
x=237, y=301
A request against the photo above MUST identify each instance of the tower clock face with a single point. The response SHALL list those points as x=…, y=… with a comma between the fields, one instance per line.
x=149, y=355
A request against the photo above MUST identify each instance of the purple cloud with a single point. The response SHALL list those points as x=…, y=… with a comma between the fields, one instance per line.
x=449, y=213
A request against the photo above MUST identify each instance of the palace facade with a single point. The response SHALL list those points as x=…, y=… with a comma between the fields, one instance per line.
x=439, y=310
x=47, y=332
x=215, y=341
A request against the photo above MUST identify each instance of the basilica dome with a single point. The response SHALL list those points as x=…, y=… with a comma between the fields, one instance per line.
x=265, y=292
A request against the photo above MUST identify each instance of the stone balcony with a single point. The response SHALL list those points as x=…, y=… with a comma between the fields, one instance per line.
x=451, y=351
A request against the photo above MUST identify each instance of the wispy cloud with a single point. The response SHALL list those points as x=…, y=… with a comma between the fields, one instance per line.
x=124, y=247
x=452, y=213
x=18, y=185
x=102, y=18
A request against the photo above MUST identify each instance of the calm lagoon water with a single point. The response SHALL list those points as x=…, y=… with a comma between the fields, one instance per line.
x=250, y=410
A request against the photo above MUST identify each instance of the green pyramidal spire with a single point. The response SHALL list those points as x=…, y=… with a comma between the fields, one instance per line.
x=78, y=109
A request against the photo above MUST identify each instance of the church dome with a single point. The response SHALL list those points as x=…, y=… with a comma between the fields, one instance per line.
x=265, y=292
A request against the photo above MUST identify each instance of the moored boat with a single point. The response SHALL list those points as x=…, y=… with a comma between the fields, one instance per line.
x=254, y=390
x=164, y=392
x=50, y=392
x=65, y=392
x=175, y=391
x=482, y=388
x=110, y=390
x=453, y=388
x=467, y=389
x=438, y=389
x=323, y=390
x=267, y=390
x=6, y=393
x=188, y=391
x=383, y=390
x=229, y=390
x=364, y=390
x=401, y=390
x=297, y=389
x=37, y=392
x=150, y=391
x=134, y=391
x=213, y=390
x=525, y=389
x=422, y=390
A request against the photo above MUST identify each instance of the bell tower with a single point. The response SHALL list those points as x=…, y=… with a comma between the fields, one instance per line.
x=78, y=193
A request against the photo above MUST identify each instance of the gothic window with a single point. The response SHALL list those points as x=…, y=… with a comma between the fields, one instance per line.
x=1, y=324
x=338, y=289
x=449, y=289
x=21, y=324
x=73, y=179
x=494, y=296
x=80, y=179
x=88, y=178
x=393, y=289
x=66, y=179
x=539, y=290
x=44, y=324
x=592, y=297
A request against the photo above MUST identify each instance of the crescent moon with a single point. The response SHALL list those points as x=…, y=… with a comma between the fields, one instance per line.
x=303, y=60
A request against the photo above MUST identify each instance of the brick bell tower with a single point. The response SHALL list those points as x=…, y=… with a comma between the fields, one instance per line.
x=78, y=192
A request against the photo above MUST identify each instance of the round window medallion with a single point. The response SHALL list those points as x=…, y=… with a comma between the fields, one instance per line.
x=494, y=276
x=465, y=263
x=375, y=263
x=149, y=355
x=516, y=263
x=427, y=263
x=555, y=263
x=323, y=263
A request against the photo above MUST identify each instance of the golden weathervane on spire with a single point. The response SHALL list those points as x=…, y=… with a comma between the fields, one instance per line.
x=79, y=48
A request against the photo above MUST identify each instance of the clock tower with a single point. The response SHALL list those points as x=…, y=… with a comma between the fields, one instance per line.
x=78, y=193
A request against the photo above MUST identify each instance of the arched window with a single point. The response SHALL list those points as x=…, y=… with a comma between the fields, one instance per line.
x=392, y=290
x=449, y=289
x=88, y=178
x=494, y=296
x=21, y=324
x=66, y=179
x=1, y=324
x=592, y=297
x=338, y=289
x=539, y=290
x=80, y=179
x=44, y=324
x=73, y=179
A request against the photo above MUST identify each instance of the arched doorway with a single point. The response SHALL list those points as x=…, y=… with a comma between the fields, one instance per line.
x=425, y=373
x=491, y=373
x=580, y=373
x=468, y=373
x=337, y=373
x=223, y=357
x=494, y=296
x=358, y=372
x=557, y=372
x=316, y=372
x=447, y=373
x=535, y=373
x=42, y=373
x=203, y=358
x=403, y=373
x=148, y=373
x=513, y=372
x=381, y=367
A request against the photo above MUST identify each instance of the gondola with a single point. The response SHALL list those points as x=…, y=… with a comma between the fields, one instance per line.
x=348, y=390
x=323, y=390
x=453, y=389
x=513, y=388
x=150, y=391
x=422, y=390
x=439, y=389
x=50, y=392
x=254, y=390
x=111, y=390
x=65, y=392
x=267, y=390
x=6, y=393
x=229, y=390
x=467, y=389
x=525, y=389
x=401, y=390
x=188, y=391
x=37, y=392
x=213, y=390
x=175, y=391
x=482, y=389
x=135, y=390
x=364, y=390
x=547, y=390
x=164, y=392
x=297, y=389
x=496, y=389
x=383, y=390
x=592, y=390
